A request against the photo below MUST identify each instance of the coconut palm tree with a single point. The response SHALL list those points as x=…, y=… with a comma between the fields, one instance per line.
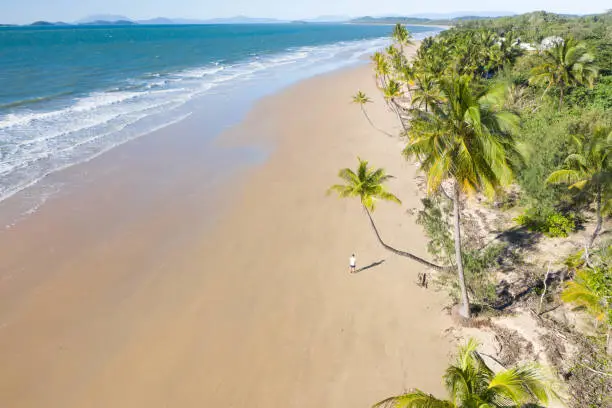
x=469, y=55
x=584, y=292
x=396, y=58
x=426, y=93
x=564, y=65
x=392, y=92
x=433, y=59
x=382, y=70
x=470, y=383
x=406, y=77
x=362, y=99
x=509, y=46
x=465, y=139
x=591, y=289
x=590, y=169
x=368, y=184
x=402, y=36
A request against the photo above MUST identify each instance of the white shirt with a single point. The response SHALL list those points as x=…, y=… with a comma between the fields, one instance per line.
x=352, y=261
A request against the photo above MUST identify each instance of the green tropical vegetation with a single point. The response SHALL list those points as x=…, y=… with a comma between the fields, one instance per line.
x=511, y=115
x=471, y=383
x=566, y=64
x=466, y=140
x=591, y=288
x=589, y=168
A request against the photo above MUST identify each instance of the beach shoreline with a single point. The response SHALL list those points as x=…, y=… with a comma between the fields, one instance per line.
x=136, y=298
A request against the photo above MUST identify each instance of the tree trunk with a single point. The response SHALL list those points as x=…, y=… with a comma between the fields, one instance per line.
x=372, y=123
x=397, y=108
x=465, y=302
x=599, y=217
x=383, y=81
x=402, y=253
x=561, y=98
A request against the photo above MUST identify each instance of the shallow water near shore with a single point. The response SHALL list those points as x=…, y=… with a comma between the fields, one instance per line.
x=117, y=84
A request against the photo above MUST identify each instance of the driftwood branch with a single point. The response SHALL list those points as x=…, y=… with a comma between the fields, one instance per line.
x=596, y=371
x=492, y=358
x=545, y=288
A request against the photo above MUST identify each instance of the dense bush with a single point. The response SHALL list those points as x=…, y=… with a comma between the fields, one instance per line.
x=602, y=93
x=550, y=223
x=434, y=218
x=544, y=139
x=600, y=97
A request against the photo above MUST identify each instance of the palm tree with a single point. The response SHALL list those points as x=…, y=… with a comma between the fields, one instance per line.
x=470, y=383
x=406, y=76
x=588, y=290
x=582, y=292
x=469, y=54
x=434, y=59
x=368, y=185
x=590, y=169
x=402, y=36
x=465, y=139
x=362, y=99
x=381, y=68
x=426, y=92
x=392, y=92
x=397, y=59
x=564, y=65
x=509, y=48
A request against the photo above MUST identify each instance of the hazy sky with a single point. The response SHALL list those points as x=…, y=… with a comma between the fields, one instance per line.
x=25, y=11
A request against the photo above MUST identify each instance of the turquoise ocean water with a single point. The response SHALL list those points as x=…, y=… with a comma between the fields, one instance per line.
x=68, y=94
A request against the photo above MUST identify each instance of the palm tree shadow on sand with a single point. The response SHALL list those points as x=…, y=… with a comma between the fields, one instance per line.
x=372, y=265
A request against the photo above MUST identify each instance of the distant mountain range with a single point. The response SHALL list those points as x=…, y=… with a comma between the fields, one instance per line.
x=462, y=14
x=431, y=18
x=425, y=18
x=169, y=21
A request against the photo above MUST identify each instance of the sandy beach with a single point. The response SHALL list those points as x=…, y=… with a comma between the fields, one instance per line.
x=117, y=296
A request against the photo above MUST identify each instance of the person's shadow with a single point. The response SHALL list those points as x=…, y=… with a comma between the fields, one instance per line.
x=372, y=265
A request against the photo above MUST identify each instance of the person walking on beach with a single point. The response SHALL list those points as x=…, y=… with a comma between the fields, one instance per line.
x=352, y=263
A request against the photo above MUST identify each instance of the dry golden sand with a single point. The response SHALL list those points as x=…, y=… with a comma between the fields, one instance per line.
x=260, y=311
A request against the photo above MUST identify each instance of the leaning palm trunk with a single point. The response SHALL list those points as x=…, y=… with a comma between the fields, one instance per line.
x=372, y=123
x=465, y=302
x=399, y=252
x=599, y=218
x=398, y=111
x=383, y=81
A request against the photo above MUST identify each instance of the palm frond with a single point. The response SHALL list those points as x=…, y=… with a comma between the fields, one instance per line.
x=579, y=293
x=415, y=399
x=342, y=190
x=386, y=196
x=579, y=185
x=349, y=176
x=520, y=385
x=564, y=176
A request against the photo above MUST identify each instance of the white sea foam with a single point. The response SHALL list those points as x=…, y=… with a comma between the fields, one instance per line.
x=34, y=144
